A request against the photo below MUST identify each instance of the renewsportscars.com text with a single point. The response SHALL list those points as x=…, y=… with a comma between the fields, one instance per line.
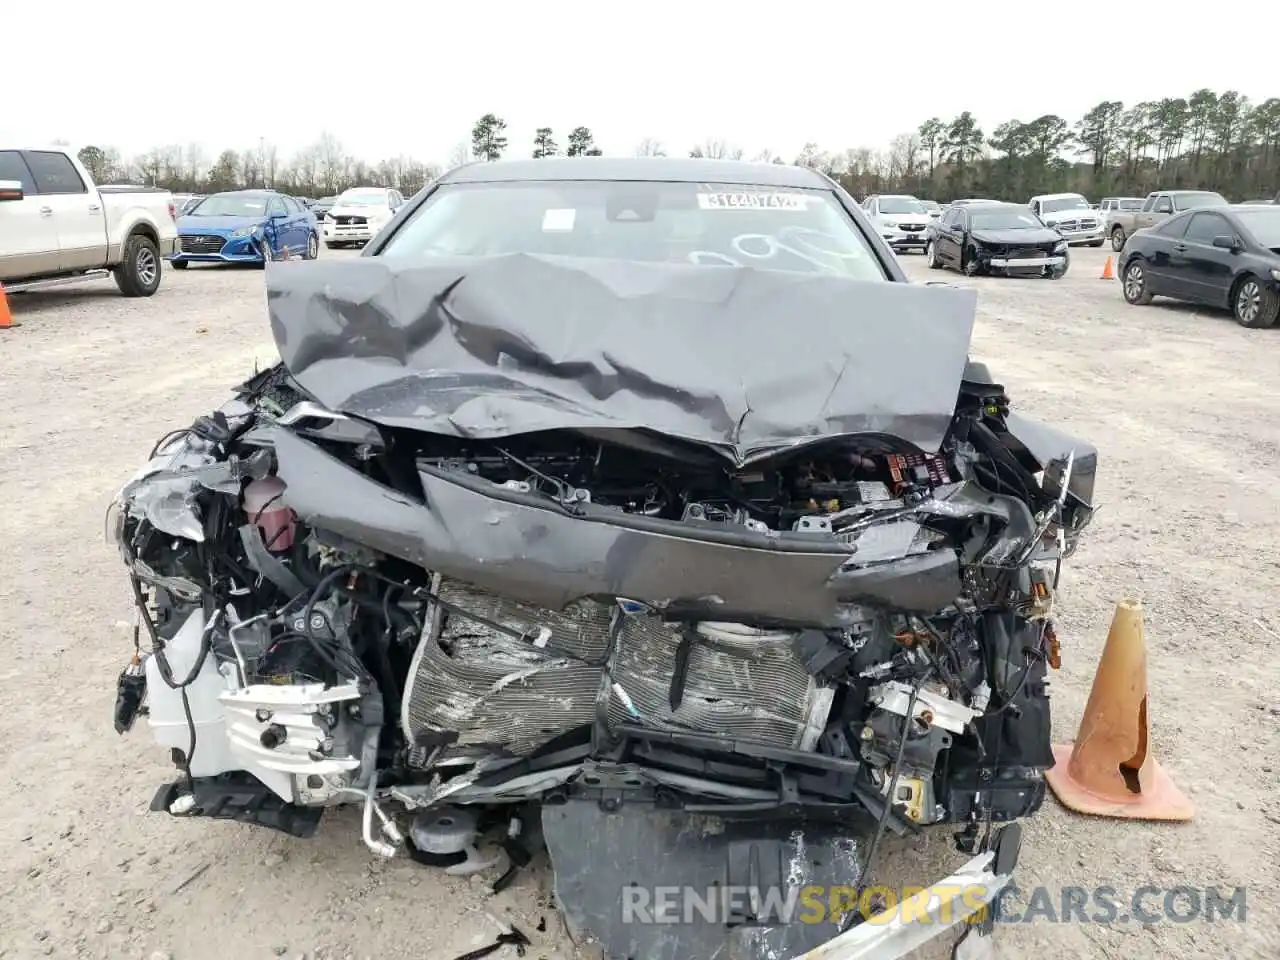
x=754, y=906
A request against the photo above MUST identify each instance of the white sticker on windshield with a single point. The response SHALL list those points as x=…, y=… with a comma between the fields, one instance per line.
x=753, y=201
x=558, y=221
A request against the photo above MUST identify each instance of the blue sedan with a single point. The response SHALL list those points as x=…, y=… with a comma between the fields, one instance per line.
x=246, y=226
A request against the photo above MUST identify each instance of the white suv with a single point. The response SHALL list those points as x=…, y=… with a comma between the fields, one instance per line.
x=358, y=214
x=900, y=219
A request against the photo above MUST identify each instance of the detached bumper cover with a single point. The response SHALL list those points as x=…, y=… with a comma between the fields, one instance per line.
x=1027, y=263
x=898, y=931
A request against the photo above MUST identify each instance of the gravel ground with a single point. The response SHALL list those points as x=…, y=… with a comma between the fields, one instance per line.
x=1182, y=404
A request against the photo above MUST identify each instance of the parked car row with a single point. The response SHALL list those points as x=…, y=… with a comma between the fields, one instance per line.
x=254, y=226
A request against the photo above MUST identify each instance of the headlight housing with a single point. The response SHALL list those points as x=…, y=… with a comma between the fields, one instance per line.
x=1061, y=247
x=1275, y=275
x=247, y=231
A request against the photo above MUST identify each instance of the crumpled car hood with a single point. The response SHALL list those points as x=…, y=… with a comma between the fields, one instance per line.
x=744, y=361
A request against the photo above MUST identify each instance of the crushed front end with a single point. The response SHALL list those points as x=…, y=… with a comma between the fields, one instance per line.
x=612, y=639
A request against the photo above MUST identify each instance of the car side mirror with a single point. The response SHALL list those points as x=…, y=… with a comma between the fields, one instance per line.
x=1226, y=243
x=11, y=190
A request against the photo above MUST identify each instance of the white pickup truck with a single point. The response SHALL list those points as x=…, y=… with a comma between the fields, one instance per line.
x=57, y=227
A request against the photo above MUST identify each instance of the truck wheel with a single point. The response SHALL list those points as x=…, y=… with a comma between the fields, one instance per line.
x=179, y=264
x=138, y=274
x=1117, y=239
x=1097, y=243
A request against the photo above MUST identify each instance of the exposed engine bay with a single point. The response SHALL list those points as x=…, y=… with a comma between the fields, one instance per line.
x=456, y=632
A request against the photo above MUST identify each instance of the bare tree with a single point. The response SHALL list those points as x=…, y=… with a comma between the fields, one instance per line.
x=903, y=153
x=332, y=162
x=716, y=149
x=194, y=165
x=813, y=156
x=306, y=170
x=649, y=147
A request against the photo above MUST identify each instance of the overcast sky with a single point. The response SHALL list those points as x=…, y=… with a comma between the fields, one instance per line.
x=399, y=78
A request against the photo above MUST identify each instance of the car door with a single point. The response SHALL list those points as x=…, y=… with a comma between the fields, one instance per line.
x=28, y=237
x=873, y=212
x=950, y=237
x=1162, y=278
x=299, y=225
x=277, y=231
x=1203, y=271
x=76, y=211
x=1157, y=209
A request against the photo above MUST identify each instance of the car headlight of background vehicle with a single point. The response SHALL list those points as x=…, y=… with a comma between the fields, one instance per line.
x=247, y=231
x=1061, y=247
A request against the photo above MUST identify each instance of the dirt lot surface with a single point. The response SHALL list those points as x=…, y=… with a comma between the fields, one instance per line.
x=1184, y=406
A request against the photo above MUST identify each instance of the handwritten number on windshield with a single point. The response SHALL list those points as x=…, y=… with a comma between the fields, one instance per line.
x=812, y=246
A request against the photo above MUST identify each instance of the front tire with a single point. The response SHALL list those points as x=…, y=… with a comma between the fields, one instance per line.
x=1254, y=304
x=313, y=247
x=971, y=266
x=138, y=274
x=331, y=246
x=1134, y=283
x=179, y=264
x=1098, y=243
x=931, y=256
x=1117, y=239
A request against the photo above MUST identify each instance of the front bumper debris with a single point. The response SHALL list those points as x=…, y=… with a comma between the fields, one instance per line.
x=1027, y=263
x=966, y=896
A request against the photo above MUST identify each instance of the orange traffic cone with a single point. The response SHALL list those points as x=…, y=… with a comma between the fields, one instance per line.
x=6, y=315
x=1110, y=771
x=1106, y=270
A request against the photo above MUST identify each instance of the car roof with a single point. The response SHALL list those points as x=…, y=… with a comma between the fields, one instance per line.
x=1057, y=196
x=666, y=169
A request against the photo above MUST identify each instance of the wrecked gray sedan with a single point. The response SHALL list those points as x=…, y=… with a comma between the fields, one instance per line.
x=637, y=510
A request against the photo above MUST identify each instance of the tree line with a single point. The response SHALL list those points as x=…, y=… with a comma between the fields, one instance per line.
x=1208, y=140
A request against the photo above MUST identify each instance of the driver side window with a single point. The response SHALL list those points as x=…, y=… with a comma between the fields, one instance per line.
x=275, y=207
x=1164, y=205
